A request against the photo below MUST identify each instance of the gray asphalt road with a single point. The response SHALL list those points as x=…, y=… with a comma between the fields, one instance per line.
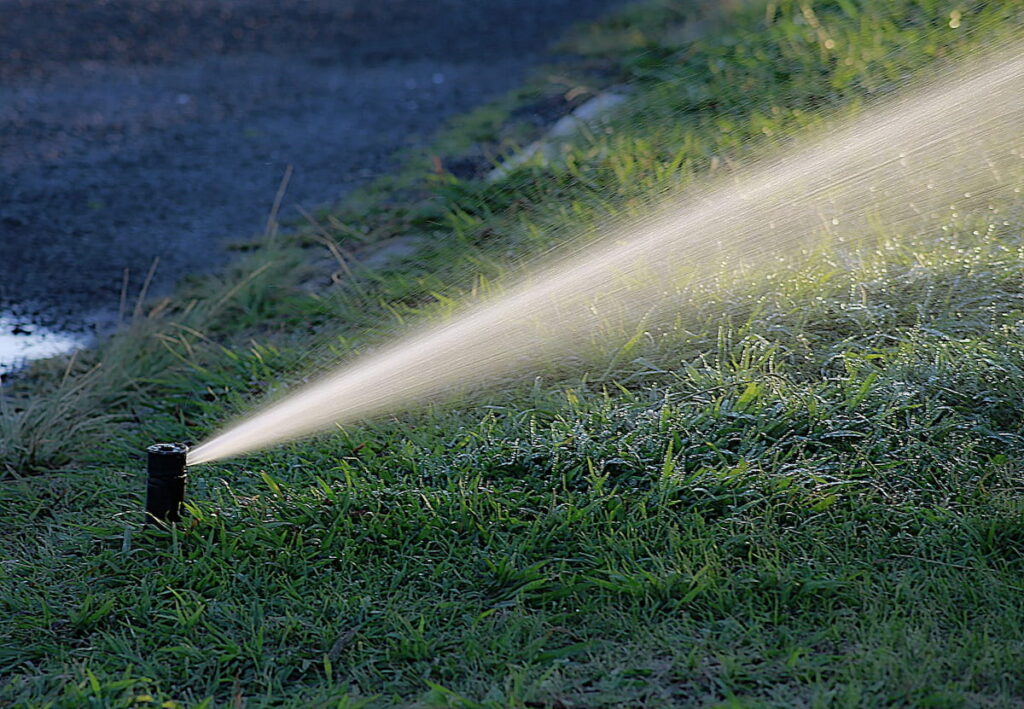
x=133, y=130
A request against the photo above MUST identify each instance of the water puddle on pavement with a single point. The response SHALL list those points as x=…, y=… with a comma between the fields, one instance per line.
x=22, y=341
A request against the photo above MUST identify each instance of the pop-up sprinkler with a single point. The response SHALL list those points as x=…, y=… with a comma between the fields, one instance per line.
x=165, y=484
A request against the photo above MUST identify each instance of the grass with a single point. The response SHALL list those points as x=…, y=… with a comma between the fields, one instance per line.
x=806, y=493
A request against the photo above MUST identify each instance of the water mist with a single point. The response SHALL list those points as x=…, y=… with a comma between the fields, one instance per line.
x=957, y=142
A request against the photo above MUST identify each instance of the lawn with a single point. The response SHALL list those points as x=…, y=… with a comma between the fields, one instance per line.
x=806, y=490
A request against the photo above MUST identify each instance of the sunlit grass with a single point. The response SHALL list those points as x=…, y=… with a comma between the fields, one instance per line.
x=805, y=492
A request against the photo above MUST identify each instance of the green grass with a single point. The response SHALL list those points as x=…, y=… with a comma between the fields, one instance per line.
x=807, y=492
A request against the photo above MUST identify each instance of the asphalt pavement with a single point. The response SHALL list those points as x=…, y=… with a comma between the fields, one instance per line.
x=135, y=130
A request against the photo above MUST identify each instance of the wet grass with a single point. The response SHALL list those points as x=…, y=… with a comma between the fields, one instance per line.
x=804, y=492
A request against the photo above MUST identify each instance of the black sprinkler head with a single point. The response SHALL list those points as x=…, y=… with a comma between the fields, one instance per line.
x=165, y=484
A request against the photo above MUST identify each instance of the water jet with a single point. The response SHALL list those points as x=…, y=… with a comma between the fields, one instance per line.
x=952, y=145
x=166, y=475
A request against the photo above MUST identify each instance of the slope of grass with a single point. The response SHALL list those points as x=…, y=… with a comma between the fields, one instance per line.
x=806, y=493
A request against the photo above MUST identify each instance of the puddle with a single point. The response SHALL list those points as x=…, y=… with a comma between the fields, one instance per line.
x=22, y=341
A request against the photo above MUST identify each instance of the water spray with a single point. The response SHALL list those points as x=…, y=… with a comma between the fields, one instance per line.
x=167, y=473
x=956, y=144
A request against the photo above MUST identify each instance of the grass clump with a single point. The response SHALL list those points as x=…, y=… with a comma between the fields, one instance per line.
x=807, y=492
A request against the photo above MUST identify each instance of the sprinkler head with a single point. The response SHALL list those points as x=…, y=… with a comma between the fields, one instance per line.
x=165, y=483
